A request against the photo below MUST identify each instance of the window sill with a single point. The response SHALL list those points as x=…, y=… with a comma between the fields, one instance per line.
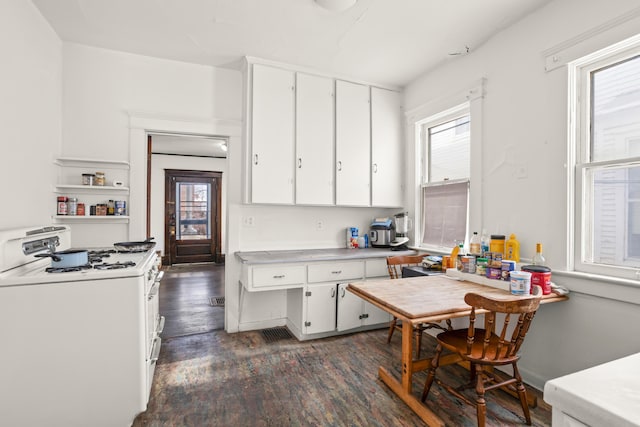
x=609, y=287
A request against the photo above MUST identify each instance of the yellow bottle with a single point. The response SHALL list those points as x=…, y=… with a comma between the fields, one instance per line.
x=512, y=249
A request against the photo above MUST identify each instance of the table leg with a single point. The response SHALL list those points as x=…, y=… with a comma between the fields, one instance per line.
x=404, y=389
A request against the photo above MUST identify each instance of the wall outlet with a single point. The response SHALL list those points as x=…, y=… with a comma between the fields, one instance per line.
x=319, y=225
x=521, y=172
x=248, y=221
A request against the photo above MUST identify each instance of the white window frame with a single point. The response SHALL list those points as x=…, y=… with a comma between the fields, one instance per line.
x=579, y=156
x=472, y=99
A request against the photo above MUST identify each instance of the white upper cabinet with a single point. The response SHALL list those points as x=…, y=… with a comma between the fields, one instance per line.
x=314, y=140
x=272, y=135
x=386, y=148
x=353, y=144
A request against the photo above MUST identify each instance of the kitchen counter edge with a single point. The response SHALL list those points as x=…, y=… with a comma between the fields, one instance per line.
x=313, y=255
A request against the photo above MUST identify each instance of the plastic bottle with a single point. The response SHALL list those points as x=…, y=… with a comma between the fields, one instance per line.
x=512, y=249
x=496, y=244
x=538, y=258
x=484, y=242
x=475, y=246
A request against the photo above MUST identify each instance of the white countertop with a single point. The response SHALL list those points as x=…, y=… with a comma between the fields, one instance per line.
x=607, y=394
x=307, y=255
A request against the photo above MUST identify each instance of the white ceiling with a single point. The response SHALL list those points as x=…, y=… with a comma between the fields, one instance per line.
x=380, y=41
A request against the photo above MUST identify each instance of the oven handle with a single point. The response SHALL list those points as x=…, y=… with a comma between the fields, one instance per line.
x=155, y=354
x=153, y=292
x=160, y=325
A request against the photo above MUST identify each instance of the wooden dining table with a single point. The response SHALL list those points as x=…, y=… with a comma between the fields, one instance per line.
x=417, y=300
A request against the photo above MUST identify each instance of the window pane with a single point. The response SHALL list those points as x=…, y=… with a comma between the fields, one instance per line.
x=444, y=217
x=615, y=208
x=615, y=110
x=449, y=150
x=193, y=220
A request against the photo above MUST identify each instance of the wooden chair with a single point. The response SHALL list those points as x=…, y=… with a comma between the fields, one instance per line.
x=484, y=349
x=394, y=266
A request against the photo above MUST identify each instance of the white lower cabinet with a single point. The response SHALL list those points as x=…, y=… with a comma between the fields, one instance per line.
x=319, y=308
x=354, y=312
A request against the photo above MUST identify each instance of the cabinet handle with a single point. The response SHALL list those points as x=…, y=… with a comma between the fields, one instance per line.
x=336, y=272
x=278, y=276
x=333, y=292
x=375, y=168
x=339, y=165
x=255, y=159
x=344, y=292
x=299, y=162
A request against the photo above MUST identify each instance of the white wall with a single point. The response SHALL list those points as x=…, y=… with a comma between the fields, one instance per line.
x=104, y=90
x=30, y=116
x=524, y=124
x=161, y=162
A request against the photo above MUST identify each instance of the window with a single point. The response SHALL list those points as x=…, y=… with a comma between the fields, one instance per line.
x=445, y=178
x=606, y=140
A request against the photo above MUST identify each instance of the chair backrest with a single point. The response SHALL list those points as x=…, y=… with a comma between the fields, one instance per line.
x=524, y=309
x=395, y=264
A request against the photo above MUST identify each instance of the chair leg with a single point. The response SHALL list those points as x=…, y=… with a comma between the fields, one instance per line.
x=418, y=342
x=392, y=327
x=481, y=404
x=432, y=373
x=522, y=393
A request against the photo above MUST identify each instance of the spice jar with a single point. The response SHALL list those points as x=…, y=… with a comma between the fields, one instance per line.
x=88, y=178
x=73, y=206
x=80, y=211
x=99, y=178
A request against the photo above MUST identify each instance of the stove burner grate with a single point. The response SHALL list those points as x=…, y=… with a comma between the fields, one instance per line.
x=68, y=269
x=114, y=266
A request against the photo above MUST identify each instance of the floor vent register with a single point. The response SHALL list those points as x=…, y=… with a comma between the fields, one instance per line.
x=276, y=334
x=216, y=301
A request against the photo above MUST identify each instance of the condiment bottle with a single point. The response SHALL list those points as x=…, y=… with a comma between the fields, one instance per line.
x=73, y=206
x=512, y=249
x=538, y=258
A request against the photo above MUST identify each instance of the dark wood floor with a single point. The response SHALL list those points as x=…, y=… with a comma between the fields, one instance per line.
x=212, y=378
x=185, y=299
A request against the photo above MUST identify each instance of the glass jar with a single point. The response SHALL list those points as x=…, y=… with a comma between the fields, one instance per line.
x=62, y=205
x=99, y=180
x=88, y=178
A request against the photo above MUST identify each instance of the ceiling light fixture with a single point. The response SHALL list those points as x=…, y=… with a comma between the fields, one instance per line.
x=335, y=5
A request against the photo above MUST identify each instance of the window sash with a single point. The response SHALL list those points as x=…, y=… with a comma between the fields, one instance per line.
x=445, y=209
x=583, y=185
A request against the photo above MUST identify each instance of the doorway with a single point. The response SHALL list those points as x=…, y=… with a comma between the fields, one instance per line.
x=193, y=212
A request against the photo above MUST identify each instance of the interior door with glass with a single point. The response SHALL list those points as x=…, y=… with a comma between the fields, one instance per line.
x=192, y=216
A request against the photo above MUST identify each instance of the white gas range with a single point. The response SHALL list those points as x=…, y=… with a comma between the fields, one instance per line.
x=77, y=347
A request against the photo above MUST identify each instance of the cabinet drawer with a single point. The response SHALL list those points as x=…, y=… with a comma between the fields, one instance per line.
x=376, y=268
x=336, y=271
x=278, y=276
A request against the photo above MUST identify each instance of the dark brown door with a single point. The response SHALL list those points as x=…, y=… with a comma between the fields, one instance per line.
x=192, y=216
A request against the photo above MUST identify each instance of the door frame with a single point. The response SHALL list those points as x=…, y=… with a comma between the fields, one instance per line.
x=216, y=217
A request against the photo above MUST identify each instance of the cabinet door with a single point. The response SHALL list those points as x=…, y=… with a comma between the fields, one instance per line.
x=386, y=148
x=353, y=144
x=374, y=315
x=272, y=135
x=320, y=308
x=314, y=140
x=349, y=309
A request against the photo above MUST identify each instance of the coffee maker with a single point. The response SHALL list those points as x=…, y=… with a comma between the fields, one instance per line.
x=402, y=226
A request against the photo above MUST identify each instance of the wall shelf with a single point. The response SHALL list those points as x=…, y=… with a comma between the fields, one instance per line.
x=109, y=218
x=65, y=188
x=83, y=163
